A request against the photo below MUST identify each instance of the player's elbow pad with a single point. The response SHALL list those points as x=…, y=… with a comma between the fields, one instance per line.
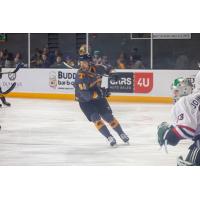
x=171, y=137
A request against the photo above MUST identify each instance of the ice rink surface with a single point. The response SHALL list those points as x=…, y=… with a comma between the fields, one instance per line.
x=55, y=132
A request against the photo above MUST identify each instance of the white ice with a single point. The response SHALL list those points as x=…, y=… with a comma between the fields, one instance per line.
x=55, y=132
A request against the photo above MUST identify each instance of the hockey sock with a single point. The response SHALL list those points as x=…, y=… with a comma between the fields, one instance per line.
x=102, y=128
x=116, y=126
x=108, y=117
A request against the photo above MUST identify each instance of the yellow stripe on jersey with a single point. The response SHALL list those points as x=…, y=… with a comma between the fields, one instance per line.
x=82, y=86
x=95, y=95
x=81, y=75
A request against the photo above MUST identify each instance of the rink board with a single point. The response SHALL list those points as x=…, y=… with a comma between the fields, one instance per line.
x=132, y=86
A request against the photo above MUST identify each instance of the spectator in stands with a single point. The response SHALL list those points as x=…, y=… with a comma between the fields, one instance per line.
x=17, y=59
x=50, y=55
x=45, y=61
x=45, y=51
x=135, y=54
x=135, y=60
x=195, y=61
x=2, y=62
x=53, y=56
x=9, y=62
x=59, y=63
x=2, y=59
x=138, y=64
x=57, y=53
x=5, y=53
x=122, y=61
x=44, y=58
x=182, y=61
x=36, y=58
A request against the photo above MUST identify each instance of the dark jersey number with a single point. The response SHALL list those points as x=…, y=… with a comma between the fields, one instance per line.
x=195, y=104
x=181, y=116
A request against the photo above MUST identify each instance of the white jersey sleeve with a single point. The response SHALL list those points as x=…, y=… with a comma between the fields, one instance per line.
x=186, y=116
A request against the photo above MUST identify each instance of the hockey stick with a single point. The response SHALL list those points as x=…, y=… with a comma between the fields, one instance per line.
x=92, y=73
x=165, y=146
x=15, y=70
x=9, y=89
x=67, y=65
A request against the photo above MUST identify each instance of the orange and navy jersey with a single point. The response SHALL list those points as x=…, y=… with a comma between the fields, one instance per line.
x=85, y=86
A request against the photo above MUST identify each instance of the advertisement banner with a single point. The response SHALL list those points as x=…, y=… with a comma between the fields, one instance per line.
x=132, y=82
x=121, y=82
x=152, y=83
x=143, y=82
x=62, y=79
x=41, y=80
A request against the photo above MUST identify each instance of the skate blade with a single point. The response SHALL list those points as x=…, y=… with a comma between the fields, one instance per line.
x=114, y=146
x=127, y=143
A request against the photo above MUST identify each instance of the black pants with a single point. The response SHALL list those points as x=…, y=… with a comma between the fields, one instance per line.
x=99, y=106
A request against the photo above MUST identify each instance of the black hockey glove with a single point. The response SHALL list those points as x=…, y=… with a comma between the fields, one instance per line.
x=166, y=135
x=162, y=131
x=109, y=69
x=103, y=92
x=107, y=93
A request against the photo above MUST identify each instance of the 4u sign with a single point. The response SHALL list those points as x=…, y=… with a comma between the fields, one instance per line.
x=143, y=82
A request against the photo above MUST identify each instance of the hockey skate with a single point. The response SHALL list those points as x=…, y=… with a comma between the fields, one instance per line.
x=124, y=137
x=6, y=103
x=112, y=141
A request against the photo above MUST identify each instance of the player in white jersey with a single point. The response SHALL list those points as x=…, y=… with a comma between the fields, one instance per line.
x=185, y=120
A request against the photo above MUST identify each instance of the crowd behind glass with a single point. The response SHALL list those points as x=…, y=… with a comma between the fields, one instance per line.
x=120, y=52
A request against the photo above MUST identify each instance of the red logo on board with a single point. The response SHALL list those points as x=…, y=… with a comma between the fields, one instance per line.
x=143, y=82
